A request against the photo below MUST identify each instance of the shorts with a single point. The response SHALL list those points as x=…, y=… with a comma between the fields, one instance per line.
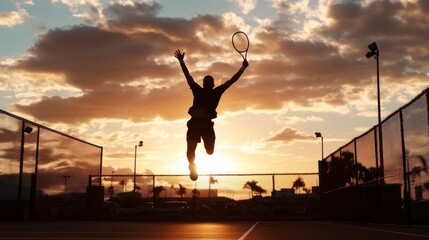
x=200, y=128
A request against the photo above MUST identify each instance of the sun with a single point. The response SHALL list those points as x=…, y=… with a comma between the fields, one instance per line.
x=211, y=164
x=215, y=163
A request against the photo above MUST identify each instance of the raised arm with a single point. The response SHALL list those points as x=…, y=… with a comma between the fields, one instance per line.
x=236, y=76
x=181, y=57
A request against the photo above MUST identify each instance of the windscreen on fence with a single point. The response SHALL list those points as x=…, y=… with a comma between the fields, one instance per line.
x=55, y=163
x=399, y=174
x=416, y=140
x=366, y=158
x=392, y=150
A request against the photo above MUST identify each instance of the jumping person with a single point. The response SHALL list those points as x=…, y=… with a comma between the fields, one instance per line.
x=203, y=110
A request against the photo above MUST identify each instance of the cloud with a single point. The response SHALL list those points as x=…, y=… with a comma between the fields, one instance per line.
x=288, y=135
x=114, y=101
x=89, y=57
x=10, y=19
x=245, y=6
x=125, y=68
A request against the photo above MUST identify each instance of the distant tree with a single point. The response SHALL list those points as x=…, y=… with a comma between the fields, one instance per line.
x=306, y=190
x=111, y=190
x=195, y=193
x=298, y=183
x=123, y=183
x=172, y=189
x=157, y=190
x=420, y=167
x=259, y=190
x=254, y=187
x=181, y=191
x=212, y=180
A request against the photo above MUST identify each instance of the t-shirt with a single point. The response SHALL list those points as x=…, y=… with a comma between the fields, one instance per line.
x=207, y=99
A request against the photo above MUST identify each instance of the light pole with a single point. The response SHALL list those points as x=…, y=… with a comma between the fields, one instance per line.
x=111, y=179
x=65, y=181
x=376, y=53
x=318, y=134
x=135, y=163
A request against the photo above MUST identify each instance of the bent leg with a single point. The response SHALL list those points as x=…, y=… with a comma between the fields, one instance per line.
x=190, y=152
x=209, y=146
x=209, y=139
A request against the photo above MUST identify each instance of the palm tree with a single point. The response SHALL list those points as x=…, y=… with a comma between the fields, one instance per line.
x=259, y=190
x=212, y=180
x=298, y=183
x=172, y=189
x=111, y=190
x=123, y=183
x=253, y=186
x=157, y=190
x=181, y=191
x=195, y=193
x=306, y=190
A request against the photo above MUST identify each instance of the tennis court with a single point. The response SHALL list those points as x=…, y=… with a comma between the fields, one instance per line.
x=248, y=230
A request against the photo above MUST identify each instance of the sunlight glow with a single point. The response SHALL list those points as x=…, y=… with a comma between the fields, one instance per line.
x=214, y=164
x=211, y=164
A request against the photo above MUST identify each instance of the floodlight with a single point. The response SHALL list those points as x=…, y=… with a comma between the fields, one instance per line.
x=28, y=129
x=370, y=54
x=373, y=47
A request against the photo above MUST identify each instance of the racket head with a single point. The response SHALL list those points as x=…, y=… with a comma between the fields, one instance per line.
x=240, y=42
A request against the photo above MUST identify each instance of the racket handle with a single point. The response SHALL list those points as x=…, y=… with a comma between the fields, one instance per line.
x=242, y=68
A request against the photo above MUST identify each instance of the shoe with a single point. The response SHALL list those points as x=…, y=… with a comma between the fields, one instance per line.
x=193, y=172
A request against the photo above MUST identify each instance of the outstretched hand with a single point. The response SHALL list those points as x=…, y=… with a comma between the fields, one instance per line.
x=245, y=63
x=180, y=56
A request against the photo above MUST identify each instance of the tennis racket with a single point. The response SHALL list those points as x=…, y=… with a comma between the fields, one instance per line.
x=240, y=42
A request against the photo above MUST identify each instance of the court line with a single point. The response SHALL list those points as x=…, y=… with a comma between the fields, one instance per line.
x=377, y=229
x=248, y=231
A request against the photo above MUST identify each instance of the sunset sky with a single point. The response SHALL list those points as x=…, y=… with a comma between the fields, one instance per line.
x=104, y=71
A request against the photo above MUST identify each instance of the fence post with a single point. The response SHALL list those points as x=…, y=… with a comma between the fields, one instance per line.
x=376, y=156
x=153, y=188
x=101, y=164
x=405, y=170
x=90, y=180
x=21, y=162
x=274, y=186
x=322, y=188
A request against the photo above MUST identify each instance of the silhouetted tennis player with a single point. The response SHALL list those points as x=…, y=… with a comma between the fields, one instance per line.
x=203, y=110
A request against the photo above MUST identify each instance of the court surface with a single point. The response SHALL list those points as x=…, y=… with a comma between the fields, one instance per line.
x=287, y=230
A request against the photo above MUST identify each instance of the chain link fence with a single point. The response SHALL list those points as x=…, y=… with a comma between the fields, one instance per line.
x=41, y=167
x=396, y=187
x=215, y=196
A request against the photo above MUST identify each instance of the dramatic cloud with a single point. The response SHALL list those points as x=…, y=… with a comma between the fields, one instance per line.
x=114, y=101
x=125, y=68
x=89, y=57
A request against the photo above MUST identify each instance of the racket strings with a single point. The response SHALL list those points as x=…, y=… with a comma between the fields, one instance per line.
x=240, y=42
